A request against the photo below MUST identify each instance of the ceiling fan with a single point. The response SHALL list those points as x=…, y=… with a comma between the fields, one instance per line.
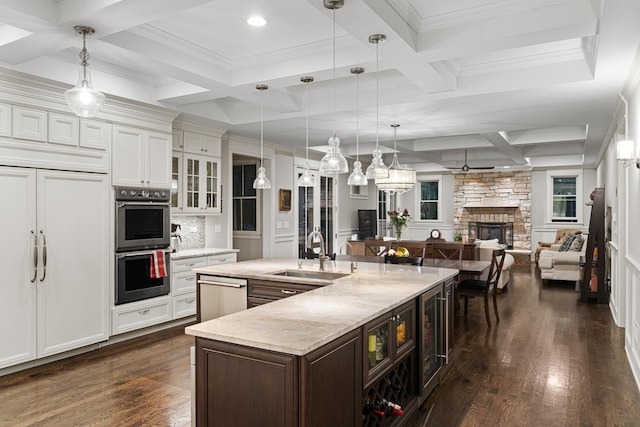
x=467, y=168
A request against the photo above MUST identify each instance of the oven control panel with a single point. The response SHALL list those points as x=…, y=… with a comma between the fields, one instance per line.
x=128, y=194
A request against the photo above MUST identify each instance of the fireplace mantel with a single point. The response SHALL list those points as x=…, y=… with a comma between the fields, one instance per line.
x=491, y=205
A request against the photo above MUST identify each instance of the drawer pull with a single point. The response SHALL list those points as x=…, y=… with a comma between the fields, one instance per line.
x=190, y=301
x=190, y=278
x=288, y=292
x=143, y=312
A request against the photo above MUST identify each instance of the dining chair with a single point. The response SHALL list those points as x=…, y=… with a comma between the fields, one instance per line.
x=446, y=251
x=483, y=287
x=413, y=260
x=374, y=248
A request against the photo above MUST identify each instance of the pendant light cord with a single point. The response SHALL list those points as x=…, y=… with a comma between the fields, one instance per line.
x=357, y=122
x=333, y=118
x=377, y=95
x=261, y=129
x=306, y=86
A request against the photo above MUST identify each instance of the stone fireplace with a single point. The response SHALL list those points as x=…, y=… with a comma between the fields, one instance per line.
x=494, y=198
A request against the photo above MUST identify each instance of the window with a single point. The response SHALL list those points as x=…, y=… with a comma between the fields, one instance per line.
x=384, y=206
x=565, y=202
x=245, y=198
x=428, y=198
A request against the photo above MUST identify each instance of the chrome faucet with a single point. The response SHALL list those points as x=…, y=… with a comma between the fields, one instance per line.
x=311, y=245
x=354, y=265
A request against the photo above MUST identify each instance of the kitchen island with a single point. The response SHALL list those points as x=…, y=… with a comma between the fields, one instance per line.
x=327, y=356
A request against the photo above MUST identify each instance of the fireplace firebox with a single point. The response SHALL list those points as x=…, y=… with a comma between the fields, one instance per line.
x=503, y=231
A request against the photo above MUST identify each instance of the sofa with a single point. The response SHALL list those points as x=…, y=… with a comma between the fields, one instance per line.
x=558, y=264
x=485, y=249
x=560, y=235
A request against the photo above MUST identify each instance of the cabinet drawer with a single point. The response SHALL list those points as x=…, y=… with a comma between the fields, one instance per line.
x=183, y=282
x=184, y=305
x=276, y=290
x=140, y=315
x=188, y=264
x=222, y=259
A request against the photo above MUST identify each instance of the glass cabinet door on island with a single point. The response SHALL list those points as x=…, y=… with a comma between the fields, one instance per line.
x=378, y=346
x=431, y=345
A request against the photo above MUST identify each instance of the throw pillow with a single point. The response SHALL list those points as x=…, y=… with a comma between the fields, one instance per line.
x=566, y=243
x=576, y=245
x=488, y=243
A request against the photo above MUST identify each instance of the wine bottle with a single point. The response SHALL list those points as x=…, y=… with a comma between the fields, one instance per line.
x=372, y=351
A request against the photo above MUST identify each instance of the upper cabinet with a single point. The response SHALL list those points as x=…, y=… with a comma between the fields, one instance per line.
x=196, y=171
x=141, y=158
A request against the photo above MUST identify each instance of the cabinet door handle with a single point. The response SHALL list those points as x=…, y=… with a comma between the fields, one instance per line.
x=288, y=292
x=35, y=256
x=190, y=278
x=143, y=312
x=44, y=256
x=190, y=301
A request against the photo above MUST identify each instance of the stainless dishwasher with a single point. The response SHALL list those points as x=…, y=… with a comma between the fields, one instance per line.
x=220, y=296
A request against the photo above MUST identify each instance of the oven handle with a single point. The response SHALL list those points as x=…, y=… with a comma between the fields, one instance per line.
x=137, y=253
x=122, y=204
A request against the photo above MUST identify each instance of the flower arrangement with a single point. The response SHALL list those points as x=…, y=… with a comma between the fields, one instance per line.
x=399, y=221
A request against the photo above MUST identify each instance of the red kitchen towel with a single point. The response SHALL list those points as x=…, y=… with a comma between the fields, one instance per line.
x=157, y=265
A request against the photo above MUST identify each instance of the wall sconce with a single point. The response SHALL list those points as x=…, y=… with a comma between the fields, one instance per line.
x=626, y=148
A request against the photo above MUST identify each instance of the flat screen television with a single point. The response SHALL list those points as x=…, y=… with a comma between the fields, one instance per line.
x=367, y=224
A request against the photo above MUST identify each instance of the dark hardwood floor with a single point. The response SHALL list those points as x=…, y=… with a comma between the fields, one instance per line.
x=550, y=361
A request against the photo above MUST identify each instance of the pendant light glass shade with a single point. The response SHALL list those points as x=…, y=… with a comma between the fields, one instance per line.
x=400, y=179
x=83, y=99
x=357, y=177
x=306, y=179
x=334, y=162
x=377, y=168
x=262, y=182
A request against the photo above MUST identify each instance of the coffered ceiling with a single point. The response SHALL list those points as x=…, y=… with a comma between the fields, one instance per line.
x=515, y=82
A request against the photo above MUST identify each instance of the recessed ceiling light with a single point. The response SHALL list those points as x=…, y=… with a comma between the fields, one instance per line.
x=257, y=21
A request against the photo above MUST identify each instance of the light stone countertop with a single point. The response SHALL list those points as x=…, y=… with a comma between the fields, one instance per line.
x=300, y=324
x=191, y=253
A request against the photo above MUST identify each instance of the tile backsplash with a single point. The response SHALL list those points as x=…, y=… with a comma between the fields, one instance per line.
x=190, y=239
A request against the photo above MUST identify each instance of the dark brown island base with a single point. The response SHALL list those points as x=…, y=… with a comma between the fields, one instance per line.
x=363, y=349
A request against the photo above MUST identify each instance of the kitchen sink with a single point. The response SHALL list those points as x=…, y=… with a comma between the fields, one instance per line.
x=305, y=274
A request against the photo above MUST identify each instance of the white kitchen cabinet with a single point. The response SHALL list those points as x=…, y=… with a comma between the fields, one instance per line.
x=201, y=184
x=5, y=120
x=141, y=158
x=95, y=134
x=183, y=280
x=197, y=143
x=29, y=123
x=64, y=129
x=56, y=275
x=177, y=140
x=176, y=181
x=140, y=314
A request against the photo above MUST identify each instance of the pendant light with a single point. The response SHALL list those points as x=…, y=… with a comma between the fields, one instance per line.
x=377, y=168
x=400, y=179
x=83, y=99
x=262, y=182
x=357, y=177
x=334, y=162
x=306, y=179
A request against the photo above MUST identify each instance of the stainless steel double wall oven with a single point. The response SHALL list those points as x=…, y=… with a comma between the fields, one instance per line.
x=142, y=228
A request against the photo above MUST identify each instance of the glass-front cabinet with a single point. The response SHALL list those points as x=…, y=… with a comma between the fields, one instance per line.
x=176, y=181
x=201, y=187
x=431, y=323
x=388, y=339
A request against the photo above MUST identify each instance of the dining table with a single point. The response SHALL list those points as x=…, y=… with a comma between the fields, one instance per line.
x=464, y=266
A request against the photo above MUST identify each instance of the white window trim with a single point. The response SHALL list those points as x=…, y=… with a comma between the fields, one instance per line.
x=569, y=173
x=416, y=209
x=244, y=233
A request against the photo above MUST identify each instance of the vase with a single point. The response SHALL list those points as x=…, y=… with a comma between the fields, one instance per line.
x=398, y=234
